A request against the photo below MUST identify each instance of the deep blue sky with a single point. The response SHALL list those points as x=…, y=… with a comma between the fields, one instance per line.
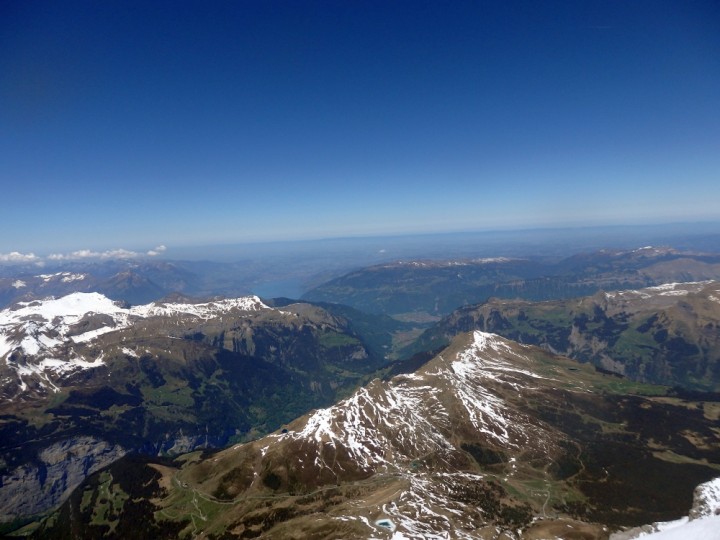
x=132, y=124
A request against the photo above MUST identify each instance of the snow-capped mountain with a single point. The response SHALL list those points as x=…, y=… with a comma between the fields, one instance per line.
x=417, y=414
x=82, y=371
x=489, y=438
x=410, y=433
x=43, y=341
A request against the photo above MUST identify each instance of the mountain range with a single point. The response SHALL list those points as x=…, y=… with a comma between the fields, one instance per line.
x=84, y=375
x=421, y=290
x=487, y=439
x=668, y=334
x=132, y=281
x=501, y=397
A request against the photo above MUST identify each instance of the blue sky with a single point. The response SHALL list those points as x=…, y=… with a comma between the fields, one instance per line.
x=138, y=124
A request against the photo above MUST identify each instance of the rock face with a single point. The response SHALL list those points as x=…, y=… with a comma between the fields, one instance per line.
x=33, y=488
x=706, y=500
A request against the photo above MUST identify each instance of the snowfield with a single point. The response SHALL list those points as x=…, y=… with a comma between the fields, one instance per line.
x=707, y=528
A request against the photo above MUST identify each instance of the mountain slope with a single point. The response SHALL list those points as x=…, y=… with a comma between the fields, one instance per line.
x=83, y=375
x=703, y=522
x=488, y=439
x=667, y=334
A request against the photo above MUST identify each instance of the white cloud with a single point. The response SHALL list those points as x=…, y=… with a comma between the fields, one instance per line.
x=16, y=256
x=83, y=254
x=118, y=253
x=157, y=251
x=79, y=254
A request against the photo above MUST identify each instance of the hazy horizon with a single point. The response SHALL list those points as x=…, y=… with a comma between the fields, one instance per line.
x=548, y=241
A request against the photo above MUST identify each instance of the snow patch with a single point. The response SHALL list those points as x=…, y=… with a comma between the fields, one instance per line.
x=69, y=278
x=64, y=277
x=707, y=499
x=706, y=528
x=667, y=289
x=482, y=361
x=204, y=311
x=488, y=260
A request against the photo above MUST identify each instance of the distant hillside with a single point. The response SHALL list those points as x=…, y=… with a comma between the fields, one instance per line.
x=435, y=288
x=669, y=334
x=128, y=280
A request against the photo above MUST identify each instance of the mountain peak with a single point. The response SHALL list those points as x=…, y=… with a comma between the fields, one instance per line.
x=411, y=431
